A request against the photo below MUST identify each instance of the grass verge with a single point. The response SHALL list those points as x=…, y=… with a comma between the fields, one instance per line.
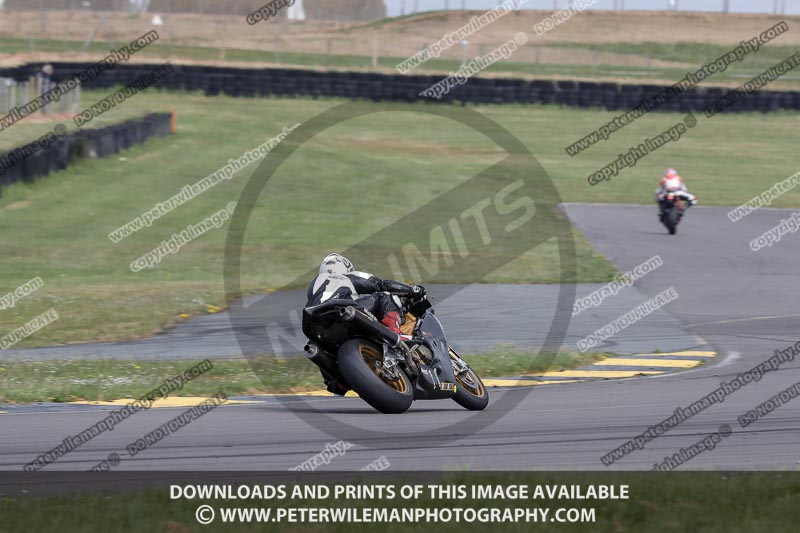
x=65, y=381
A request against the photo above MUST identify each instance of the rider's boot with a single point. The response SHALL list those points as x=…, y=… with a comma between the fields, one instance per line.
x=335, y=387
x=332, y=384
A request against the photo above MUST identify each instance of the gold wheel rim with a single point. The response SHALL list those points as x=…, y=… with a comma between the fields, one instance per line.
x=372, y=357
x=473, y=386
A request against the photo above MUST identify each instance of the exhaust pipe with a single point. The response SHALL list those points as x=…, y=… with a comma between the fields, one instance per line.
x=351, y=314
x=311, y=350
x=321, y=358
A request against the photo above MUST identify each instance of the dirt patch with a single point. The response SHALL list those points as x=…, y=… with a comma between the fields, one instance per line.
x=17, y=205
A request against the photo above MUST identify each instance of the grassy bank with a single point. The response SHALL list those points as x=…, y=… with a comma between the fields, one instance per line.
x=64, y=381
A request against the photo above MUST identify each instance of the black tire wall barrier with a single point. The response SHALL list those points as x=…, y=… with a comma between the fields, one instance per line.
x=99, y=142
x=387, y=87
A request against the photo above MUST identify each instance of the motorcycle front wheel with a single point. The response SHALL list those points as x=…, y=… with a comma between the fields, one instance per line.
x=671, y=220
x=361, y=364
x=471, y=393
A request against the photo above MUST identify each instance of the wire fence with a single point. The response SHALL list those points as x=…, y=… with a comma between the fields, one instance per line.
x=366, y=10
x=17, y=94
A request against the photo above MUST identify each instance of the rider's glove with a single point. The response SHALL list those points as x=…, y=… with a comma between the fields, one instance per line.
x=693, y=201
x=418, y=290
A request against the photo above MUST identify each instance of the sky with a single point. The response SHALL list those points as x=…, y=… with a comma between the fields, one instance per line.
x=737, y=6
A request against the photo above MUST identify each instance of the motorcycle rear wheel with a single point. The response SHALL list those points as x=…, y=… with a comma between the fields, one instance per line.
x=471, y=393
x=360, y=362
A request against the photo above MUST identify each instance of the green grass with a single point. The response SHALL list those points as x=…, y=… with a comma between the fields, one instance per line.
x=344, y=185
x=65, y=381
x=692, y=501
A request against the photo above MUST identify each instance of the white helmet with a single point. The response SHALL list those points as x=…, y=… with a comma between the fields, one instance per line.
x=335, y=264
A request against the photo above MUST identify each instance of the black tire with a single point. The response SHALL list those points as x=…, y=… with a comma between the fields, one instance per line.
x=471, y=393
x=671, y=220
x=357, y=359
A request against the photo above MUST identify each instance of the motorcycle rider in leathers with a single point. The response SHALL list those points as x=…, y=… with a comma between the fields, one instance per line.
x=673, y=183
x=338, y=279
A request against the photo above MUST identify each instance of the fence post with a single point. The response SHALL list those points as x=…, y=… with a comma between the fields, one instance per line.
x=218, y=26
x=12, y=96
x=4, y=107
x=328, y=52
x=42, y=17
x=76, y=99
x=374, y=49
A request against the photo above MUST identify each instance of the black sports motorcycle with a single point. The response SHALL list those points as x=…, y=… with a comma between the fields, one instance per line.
x=672, y=210
x=350, y=345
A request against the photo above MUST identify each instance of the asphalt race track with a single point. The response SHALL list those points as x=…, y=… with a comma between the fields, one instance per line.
x=515, y=314
x=742, y=303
